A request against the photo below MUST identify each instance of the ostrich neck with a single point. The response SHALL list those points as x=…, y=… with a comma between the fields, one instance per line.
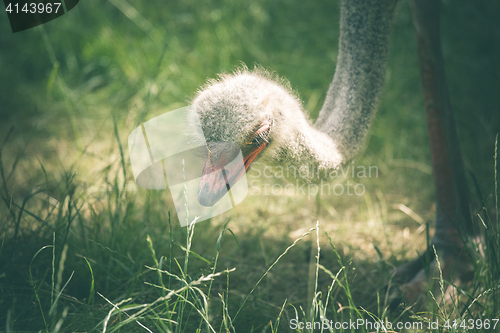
x=308, y=154
x=352, y=98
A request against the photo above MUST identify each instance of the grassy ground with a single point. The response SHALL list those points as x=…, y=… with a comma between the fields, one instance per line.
x=104, y=255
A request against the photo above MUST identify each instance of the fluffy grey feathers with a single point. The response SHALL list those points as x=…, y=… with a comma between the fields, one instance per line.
x=233, y=106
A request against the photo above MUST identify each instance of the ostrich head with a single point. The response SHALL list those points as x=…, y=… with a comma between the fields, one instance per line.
x=244, y=110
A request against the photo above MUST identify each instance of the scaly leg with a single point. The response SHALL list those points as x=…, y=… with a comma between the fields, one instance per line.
x=453, y=219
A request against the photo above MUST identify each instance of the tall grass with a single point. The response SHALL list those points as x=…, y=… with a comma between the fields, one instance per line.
x=186, y=302
x=180, y=298
x=83, y=250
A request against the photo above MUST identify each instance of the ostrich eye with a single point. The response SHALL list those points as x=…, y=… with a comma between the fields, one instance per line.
x=260, y=137
x=260, y=134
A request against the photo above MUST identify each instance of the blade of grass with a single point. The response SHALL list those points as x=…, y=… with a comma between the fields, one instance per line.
x=36, y=288
x=270, y=267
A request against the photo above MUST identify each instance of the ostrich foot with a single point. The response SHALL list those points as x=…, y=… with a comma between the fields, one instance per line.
x=430, y=275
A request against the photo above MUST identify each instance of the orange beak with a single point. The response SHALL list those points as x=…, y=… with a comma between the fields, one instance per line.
x=222, y=171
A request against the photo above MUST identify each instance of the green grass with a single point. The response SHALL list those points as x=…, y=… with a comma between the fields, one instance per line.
x=112, y=257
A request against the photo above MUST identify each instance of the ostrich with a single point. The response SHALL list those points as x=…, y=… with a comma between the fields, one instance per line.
x=261, y=115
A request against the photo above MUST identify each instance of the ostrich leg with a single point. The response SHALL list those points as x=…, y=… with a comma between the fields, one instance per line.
x=453, y=220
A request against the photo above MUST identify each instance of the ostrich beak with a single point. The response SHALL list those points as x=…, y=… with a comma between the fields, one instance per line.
x=222, y=168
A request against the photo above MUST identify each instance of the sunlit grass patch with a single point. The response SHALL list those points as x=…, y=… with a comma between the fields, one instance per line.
x=75, y=87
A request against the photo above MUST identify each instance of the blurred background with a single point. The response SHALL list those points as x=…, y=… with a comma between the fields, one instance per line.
x=71, y=91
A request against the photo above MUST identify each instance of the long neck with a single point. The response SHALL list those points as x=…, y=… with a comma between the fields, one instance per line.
x=351, y=101
x=305, y=154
